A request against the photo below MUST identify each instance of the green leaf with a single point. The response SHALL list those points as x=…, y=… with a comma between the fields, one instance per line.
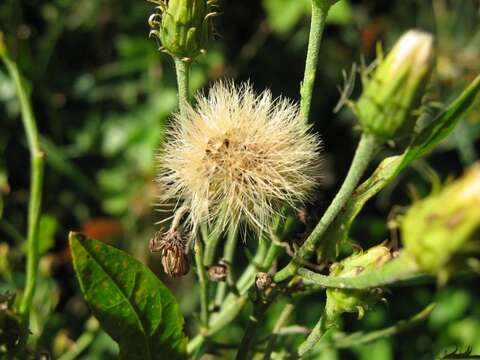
x=442, y=125
x=390, y=167
x=130, y=302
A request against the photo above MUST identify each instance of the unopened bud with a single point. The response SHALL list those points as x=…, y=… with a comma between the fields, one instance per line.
x=393, y=93
x=218, y=272
x=184, y=27
x=340, y=301
x=263, y=281
x=442, y=230
x=172, y=247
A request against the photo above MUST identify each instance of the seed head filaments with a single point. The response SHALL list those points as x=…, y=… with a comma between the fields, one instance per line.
x=238, y=156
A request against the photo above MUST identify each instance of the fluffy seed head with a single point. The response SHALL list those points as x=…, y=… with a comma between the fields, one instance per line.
x=238, y=157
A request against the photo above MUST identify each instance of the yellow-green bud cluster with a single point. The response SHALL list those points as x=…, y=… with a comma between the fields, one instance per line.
x=394, y=91
x=184, y=27
x=339, y=300
x=442, y=231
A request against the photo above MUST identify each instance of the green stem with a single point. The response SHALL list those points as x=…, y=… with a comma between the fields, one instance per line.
x=83, y=341
x=211, y=243
x=36, y=182
x=319, y=15
x=245, y=349
x=366, y=149
x=228, y=255
x=183, y=76
x=259, y=309
x=202, y=278
x=233, y=304
x=322, y=328
x=400, y=269
x=229, y=311
x=281, y=320
x=359, y=338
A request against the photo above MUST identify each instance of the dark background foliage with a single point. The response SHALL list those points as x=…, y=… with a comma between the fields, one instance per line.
x=102, y=94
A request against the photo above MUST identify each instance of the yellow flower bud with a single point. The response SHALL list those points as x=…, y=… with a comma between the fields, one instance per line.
x=443, y=230
x=340, y=301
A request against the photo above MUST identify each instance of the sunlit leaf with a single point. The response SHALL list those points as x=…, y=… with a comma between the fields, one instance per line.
x=131, y=303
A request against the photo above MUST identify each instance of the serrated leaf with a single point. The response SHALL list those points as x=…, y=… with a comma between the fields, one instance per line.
x=390, y=167
x=130, y=302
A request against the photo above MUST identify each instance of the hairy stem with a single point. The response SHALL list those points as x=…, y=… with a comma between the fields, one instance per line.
x=202, y=278
x=36, y=182
x=319, y=15
x=183, y=76
x=400, y=269
x=366, y=149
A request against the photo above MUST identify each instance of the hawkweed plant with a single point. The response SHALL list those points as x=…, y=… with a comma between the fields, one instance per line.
x=240, y=169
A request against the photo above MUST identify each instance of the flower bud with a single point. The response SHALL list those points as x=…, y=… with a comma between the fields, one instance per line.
x=394, y=91
x=442, y=230
x=185, y=28
x=340, y=301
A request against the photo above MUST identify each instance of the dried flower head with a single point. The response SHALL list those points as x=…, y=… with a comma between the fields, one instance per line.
x=238, y=156
x=172, y=247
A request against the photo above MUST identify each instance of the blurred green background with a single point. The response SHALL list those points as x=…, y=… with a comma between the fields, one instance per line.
x=102, y=94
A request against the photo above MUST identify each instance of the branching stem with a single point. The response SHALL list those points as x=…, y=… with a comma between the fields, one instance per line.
x=366, y=149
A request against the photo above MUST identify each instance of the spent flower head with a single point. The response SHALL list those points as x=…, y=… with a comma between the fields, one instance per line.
x=238, y=157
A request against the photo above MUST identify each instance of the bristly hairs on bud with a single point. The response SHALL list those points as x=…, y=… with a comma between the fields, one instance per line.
x=238, y=158
x=183, y=27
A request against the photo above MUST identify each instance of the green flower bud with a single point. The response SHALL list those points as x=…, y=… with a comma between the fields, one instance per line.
x=185, y=28
x=394, y=91
x=442, y=230
x=340, y=301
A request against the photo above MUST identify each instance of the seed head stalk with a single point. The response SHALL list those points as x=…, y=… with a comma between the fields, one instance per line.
x=183, y=75
x=36, y=182
x=183, y=80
